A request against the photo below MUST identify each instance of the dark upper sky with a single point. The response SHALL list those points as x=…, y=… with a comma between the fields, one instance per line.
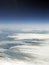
x=17, y=10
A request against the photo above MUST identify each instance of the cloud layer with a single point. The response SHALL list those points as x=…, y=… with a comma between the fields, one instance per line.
x=24, y=48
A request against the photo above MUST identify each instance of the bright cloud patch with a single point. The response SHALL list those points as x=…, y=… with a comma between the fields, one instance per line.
x=30, y=36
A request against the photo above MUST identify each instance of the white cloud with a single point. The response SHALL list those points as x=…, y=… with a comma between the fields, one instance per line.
x=41, y=53
x=25, y=27
x=30, y=36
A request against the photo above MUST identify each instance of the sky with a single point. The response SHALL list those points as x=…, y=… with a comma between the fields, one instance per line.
x=24, y=12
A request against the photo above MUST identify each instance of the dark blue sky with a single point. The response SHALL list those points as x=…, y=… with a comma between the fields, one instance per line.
x=24, y=11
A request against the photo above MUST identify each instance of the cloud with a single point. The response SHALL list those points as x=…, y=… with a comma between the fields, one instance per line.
x=18, y=48
x=30, y=36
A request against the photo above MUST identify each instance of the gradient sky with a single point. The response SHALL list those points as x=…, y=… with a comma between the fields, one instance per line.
x=24, y=11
